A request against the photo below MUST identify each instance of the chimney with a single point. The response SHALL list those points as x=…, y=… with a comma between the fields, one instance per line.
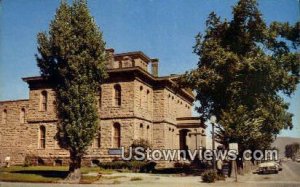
x=154, y=67
x=110, y=58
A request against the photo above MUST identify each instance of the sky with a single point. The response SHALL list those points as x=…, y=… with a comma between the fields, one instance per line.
x=163, y=29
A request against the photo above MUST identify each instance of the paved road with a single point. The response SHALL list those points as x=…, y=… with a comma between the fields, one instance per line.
x=289, y=177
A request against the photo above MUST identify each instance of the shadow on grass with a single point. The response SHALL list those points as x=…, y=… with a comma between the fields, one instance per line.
x=44, y=173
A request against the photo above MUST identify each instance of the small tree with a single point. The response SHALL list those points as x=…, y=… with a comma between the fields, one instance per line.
x=72, y=57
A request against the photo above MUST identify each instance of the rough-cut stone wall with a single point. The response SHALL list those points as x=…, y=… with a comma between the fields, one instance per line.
x=139, y=62
x=108, y=110
x=14, y=136
x=35, y=114
x=146, y=111
x=143, y=130
x=195, y=138
x=143, y=100
x=175, y=106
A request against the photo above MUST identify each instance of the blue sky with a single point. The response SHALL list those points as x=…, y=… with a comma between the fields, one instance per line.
x=163, y=29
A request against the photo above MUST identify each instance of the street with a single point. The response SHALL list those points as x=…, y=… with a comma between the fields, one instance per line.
x=288, y=177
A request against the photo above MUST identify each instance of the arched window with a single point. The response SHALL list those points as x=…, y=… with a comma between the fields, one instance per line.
x=169, y=104
x=173, y=138
x=116, y=135
x=141, y=96
x=148, y=133
x=22, y=115
x=97, y=140
x=117, y=98
x=148, y=100
x=42, y=137
x=43, y=101
x=4, y=116
x=100, y=98
x=141, y=130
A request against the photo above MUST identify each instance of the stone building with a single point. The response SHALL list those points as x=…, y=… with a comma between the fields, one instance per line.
x=133, y=104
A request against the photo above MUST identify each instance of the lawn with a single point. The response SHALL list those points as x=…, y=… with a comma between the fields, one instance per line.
x=45, y=174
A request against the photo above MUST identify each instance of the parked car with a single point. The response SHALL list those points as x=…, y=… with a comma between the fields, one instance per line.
x=268, y=168
x=297, y=159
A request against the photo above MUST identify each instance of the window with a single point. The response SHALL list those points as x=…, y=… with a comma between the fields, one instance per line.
x=141, y=130
x=148, y=134
x=148, y=100
x=116, y=135
x=43, y=102
x=141, y=96
x=97, y=140
x=100, y=98
x=4, y=116
x=117, y=98
x=22, y=116
x=169, y=104
x=42, y=137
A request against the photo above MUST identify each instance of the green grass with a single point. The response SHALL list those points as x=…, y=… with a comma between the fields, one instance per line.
x=45, y=174
x=9, y=177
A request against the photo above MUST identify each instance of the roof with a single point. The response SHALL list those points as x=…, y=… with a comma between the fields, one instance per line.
x=134, y=54
x=10, y=101
x=129, y=69
x=184, y=122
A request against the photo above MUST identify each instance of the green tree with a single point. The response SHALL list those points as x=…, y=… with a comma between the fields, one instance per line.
x=72, y=56
x=291, y=150
x=245, y=67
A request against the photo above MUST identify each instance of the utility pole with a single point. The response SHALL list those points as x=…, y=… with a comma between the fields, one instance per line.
x=213, y=120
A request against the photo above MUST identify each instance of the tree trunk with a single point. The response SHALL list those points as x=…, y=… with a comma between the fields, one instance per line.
x=74, y=168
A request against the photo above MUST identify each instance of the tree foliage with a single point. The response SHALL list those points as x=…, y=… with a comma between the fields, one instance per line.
x=72, y=56
x=245, y=67
x=291, y=150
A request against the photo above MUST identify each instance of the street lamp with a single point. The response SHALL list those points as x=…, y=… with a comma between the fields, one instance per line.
x=213, y=120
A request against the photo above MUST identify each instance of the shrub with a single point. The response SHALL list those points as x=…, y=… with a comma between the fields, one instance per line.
x=149, y=167
x=139, y=143
x=27, y=161
x=114, y=165
x=209, y=176
x=142, y=166
x=181, y=165
x=136, y=166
